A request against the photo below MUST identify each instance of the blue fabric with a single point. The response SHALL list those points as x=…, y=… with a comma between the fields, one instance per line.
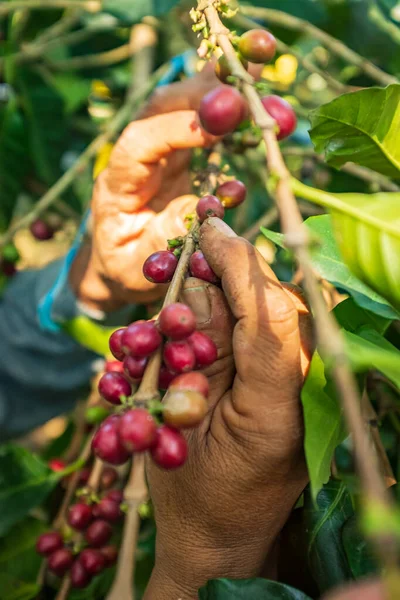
x=43, y=371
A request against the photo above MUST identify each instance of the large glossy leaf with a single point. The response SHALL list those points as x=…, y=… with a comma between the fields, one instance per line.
x=25, y=481
x=324, y=522
x=14, y=159
x=369, y=350
x=18, y=556
x=327, y=261
x=362, y=127
x=47, y=130
x=352, y=317
x=131, y=12
x=358, y=551
x=244, y=589
x=367, y=230
x=324, y=426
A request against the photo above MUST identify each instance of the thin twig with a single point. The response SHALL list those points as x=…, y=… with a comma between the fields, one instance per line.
x=121, y=118
x=59, y=521
x=278, y=17
x=135, y=493
x=266, y=220
x=102, y=59
x=91, y=6
x=330, y=341
x=378, y=18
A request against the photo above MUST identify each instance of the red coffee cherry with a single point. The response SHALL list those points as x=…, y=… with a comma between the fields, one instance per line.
x=110, y=554
x=204, y=349
x=165, y=377
x=134, y=367
x=160, y=266
x=223, y=70
x=257, y=45
x=8, y=268
x=170, y=451
x=114, y=366
x=177, y=321
x=92, y=561
x=193, y=381
x=116, y=495
x=141, y=339
x=137, y=430
x=84, y=475
x=107, y=509
x=179, y=356
x=98, y=533
x=209, y=206
x=41, y=230
x=221, y=110
x=115, y=343
x=79, y=516
x=184, y=408
x=47, y=543
x=112, y=386
x=106, y=443
x=283, y=113
x=60, y=561
x=200, y=268
x=232, y=193
x=80, y=578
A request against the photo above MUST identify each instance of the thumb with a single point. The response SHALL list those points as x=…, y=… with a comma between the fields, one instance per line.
x=215, y=319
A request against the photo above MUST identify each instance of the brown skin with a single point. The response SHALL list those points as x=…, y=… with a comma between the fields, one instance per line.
x=221, y=514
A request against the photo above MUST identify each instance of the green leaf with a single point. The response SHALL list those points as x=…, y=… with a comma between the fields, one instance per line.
x=47, y=130
x=327, y=261
x=18, y=556
x=130, y=12
x=367, y=230
x=73, y=89
x=324, y=522
x=14, y=159
x=370, y=350
x=25, y=481
x=244, y=589
x=353, y=317
x=324, y=426
x=358, y=552
x=15, y=589
x=361, y=127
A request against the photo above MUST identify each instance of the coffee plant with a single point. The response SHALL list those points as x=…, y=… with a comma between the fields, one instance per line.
x=306, y=166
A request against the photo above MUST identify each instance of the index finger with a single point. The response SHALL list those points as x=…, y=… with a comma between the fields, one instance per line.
x=266, y=337
x=137, y=159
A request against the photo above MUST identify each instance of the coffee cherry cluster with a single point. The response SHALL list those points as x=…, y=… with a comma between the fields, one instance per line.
x=95, y=522
x=185, y=405
x=223, y=109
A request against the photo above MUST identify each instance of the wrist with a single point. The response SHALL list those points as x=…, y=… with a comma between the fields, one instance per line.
x=163, y=587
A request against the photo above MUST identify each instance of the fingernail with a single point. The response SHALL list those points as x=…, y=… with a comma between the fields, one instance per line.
x=198, y=300
x=221, y=227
